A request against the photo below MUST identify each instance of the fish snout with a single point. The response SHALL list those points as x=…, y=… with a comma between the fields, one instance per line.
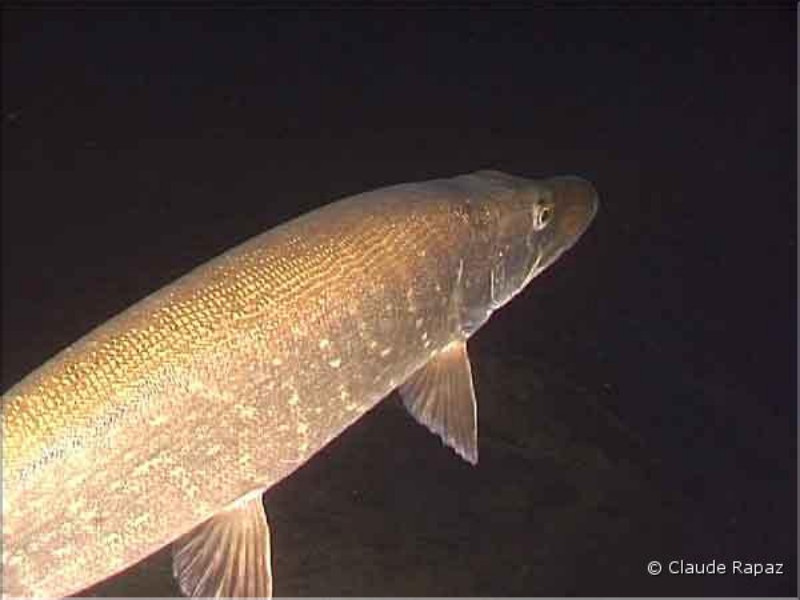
x=576, y=200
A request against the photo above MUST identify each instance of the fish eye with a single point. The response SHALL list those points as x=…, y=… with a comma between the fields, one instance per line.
x=542, y=214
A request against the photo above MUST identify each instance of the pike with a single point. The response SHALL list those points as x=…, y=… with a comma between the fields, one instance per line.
x=166, y=424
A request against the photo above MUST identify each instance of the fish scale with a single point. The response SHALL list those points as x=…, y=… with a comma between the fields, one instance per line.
x=221, y=384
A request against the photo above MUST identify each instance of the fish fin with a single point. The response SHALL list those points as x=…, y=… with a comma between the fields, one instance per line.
x=441, y=397
x=227, y=556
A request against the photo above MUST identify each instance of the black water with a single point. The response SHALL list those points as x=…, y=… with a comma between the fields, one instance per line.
x=638, y=403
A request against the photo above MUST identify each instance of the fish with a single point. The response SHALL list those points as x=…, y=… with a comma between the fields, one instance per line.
x=166, y=424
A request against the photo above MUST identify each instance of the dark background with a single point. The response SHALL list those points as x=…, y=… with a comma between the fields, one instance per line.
x=638, y=402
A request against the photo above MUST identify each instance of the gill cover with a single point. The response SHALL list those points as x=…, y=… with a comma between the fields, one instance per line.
x=518, y=228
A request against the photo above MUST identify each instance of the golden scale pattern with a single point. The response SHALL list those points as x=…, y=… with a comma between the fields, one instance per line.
x=269, y=301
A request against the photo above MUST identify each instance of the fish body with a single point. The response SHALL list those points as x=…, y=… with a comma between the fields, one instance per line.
x=167, y=423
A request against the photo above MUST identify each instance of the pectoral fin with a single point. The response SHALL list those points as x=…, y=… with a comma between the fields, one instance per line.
x=227, y=556
x=441, y=397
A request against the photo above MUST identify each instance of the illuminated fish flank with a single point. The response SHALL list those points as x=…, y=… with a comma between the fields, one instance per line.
x=167, y=423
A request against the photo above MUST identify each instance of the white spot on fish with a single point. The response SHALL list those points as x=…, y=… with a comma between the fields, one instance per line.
x=343, y=394
x=294, y=398
x=323, y=343
x=352, y=407
x=141, y=519
x=373, y=344
x=412, y=307
x=14, y=560
x=419, y=322
x=141, y=469
x=302, y=428
x=386, y=351
x=213, y=450
x=88, y=515
x=48, y=537
x=335, y=362
x=246, y=412
x=159, y=420
x=277, y=362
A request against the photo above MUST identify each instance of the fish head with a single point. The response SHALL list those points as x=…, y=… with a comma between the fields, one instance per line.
x=534, y=223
